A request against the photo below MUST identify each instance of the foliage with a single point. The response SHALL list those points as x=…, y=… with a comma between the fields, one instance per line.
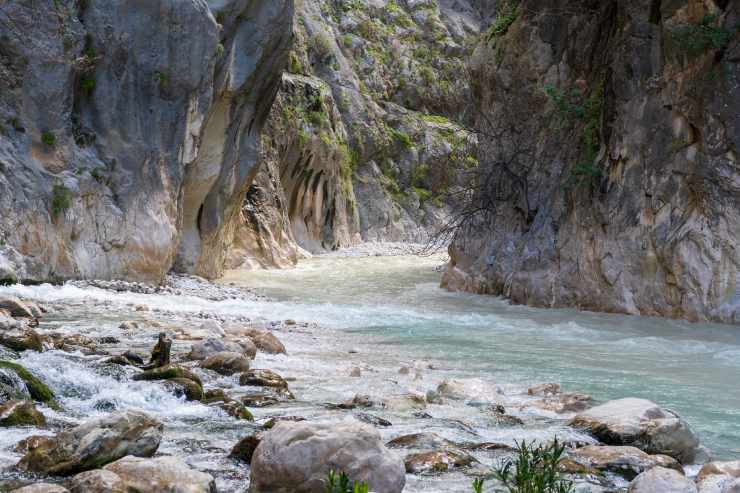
x=342, y=484
x=61, y=199
x=478, y=486
x=161, y=78
x=321, y=46
x=505, y=17
x=220, y=50
x=696, y=39
x=87, y=84
x=49, y=138
x=535, y=469
x=438, y=119
x=402, y=138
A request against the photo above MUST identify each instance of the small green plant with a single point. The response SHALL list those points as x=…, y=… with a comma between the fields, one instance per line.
x=161, y=78
x=402, y=138
x=87, y=84
x=61, y=199
x=49, y=138
x=534, y=469
x=342, y=484
x=321, y=46
x=505, y=17
x=220, y=50
x=696, y=39
x=478, y=486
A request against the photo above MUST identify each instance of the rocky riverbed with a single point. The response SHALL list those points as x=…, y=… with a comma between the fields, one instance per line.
x=248, y=402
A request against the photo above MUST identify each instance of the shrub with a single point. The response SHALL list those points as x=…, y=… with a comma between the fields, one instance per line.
x=321, y=45
x=61, y=199
x=87, y=84
x=220, y=50
x=534, y=469
x=49, y=138
x=342, y=484
x=695, y=39
x=505, y=17
x=402, y=138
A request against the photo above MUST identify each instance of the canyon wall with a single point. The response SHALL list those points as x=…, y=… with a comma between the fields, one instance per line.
x=617, y=129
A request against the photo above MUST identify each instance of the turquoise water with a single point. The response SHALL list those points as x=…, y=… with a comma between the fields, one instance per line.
x=693, y=369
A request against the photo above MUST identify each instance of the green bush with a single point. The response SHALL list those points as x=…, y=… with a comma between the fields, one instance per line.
x=696, y=39
x=87, y=84
x=402, y=138
x=534, y=469
x=505, y=17
x=342, y=484
x=321, y=46
x=49, y=138
x=61, y=199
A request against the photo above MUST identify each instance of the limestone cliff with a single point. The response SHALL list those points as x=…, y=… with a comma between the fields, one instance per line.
x=628, y=199
x=130, y=131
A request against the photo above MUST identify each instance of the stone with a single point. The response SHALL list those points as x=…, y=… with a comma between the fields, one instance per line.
x=20, y=413
x=42, y=488
x=35, y=387
x=355, y=372
x=161, y=474
x=372, y=419
x=425, y=440
x=270, y=423
x=403, y=403
x=231, y=406
x=623, y=460
x=97, y=481
x=22, y=340
x=718, y=477
x=266, y=342
x=168, y=372
x=642, y=424
x=569, y=402
x=544, y=389
x=244, y=448
x=208, y=347
x=263, y=378
x=161, y=353
x=660, y=479
x=437, y=461
x=185, y=387
x=226, y=363
x=16, y=307
x=295, y=457
x=94, y=443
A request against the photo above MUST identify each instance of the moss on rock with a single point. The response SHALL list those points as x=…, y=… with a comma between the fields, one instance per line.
x=38, y=390
x=20, y=413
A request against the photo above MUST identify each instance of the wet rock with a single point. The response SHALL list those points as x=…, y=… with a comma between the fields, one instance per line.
x=203, y=349
x=718, y=477
x=266, y=341
x=265, y=378
x=20, y=413
x=6, y=321
x=94, y=443
x=373, y=420
x=437, y=461
x=460, y=390
x=359, y=400
x=502, y=419
x=16, y=307
x=488, y=446
x=426, y=441
x=42, y=488
x=185, y=387
x=226, y=363
x=407, y=402
x=296, y=457
x=244, y=448
x=571, y=402
x=231, y=406
x=37, y=390
x=260, y=399
x=162, y=474
x=22, y=340
x=660, y=479
x=97, y=481
x=544, y=389
x=270, y=423
x=168, y=372
x=161, y=353
x=129, y=358
x=623, y=460
x=355, y=372
x=642, y=424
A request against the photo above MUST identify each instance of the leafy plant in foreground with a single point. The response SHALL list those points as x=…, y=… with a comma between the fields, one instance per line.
x=534, y=469
x=342, y=484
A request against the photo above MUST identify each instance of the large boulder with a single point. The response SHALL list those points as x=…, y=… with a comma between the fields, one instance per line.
x=295, y=457
x=161, y=475
x=208, y=347
x=266, y=341
x=226, y=363
x=22, y=339
x=642, y=424
x=436, y=461
x=662, y=480
x=623, y=460
x=718, y=477
x=97, y=481
x=94, y=443
x=20, y=413
x=16, y=307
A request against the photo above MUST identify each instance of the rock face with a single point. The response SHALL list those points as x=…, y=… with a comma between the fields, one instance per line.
x=614, y=167
x=131, y=142
x=93, y=444
x=296, y=457
x=662, y=479
x=162, y=474
x=642, y=424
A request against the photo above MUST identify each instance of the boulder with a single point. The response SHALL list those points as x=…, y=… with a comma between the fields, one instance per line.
x=36, y=389
x=190, y=389
x=168, y=372
x=244, y=448
x=20, y=413
x=22, y=340
x=231, y=406
x=467, y=389
x=404, y=403
x=266, y=341
x=159, y=475
x=544, y=389
x=97, y=481
x=426, y=441
x=16, y=307
x=570, y=402
x=660, y=480
x=265, y=378
x=208, y=347
x=295, y=457
x=718, y=477
x=623, y=460
x=226, y=363
x=642, y=424
x=42, y=488
x=94, y=443
x=436, y=461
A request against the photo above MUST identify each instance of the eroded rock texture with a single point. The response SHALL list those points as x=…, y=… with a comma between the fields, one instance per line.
x=130, y=131
x=629, y=197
